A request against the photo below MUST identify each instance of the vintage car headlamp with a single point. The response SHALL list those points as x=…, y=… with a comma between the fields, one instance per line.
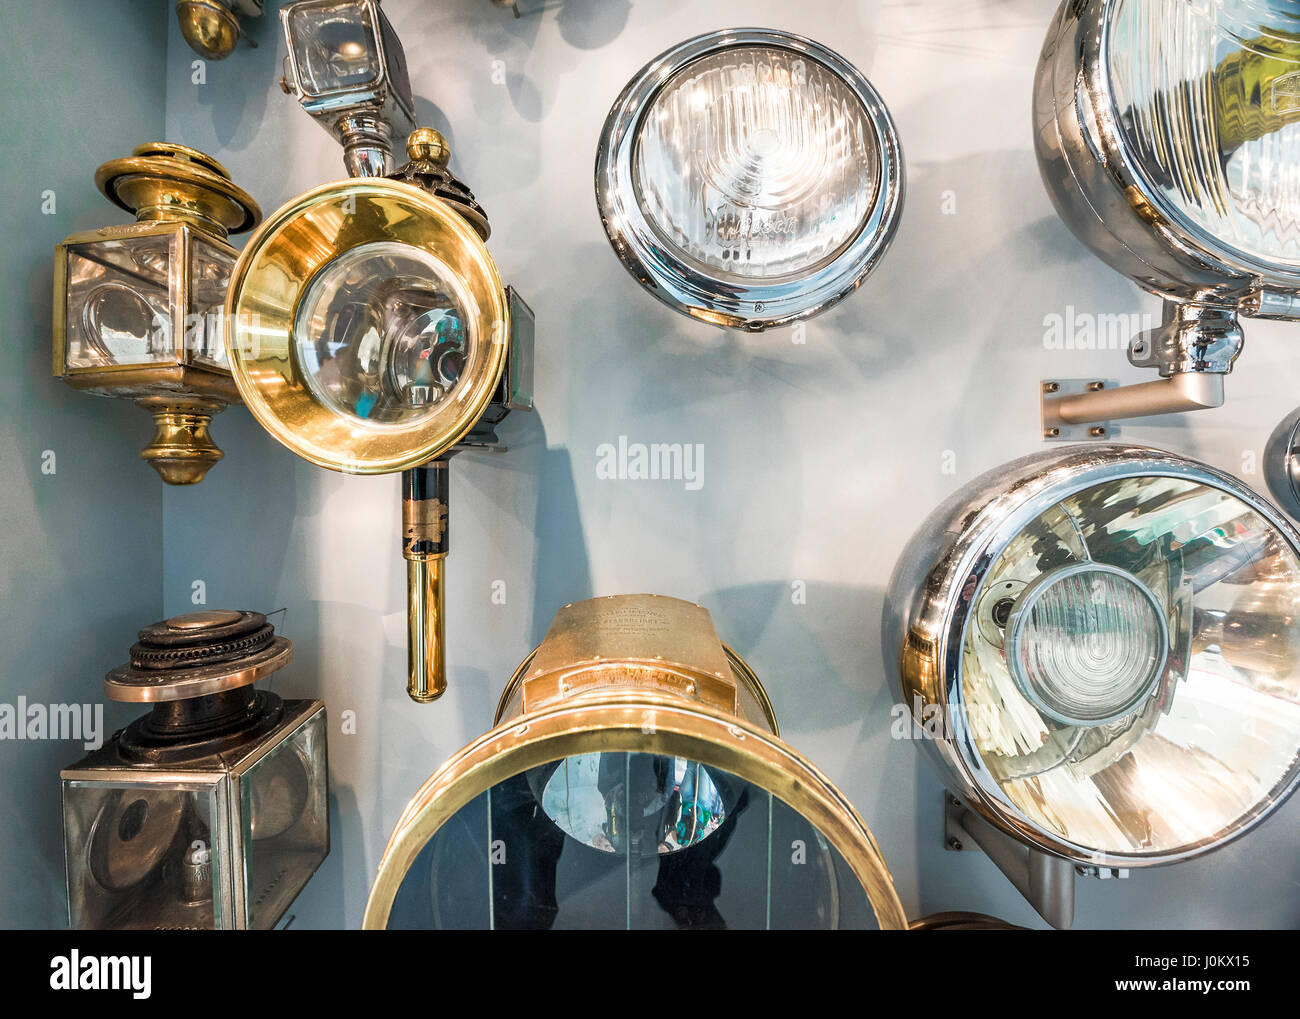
x=369, y=332
x=749, y=177
x=1166, y=132
x=138, y=308
x=347, y=68
x=1104, y=645
x=210, y=812
x=634, y=779
x=211, y=27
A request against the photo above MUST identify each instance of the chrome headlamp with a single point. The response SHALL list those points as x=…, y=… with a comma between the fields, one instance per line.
x=1167, y=133
x=1103, y=647
x=749, y=177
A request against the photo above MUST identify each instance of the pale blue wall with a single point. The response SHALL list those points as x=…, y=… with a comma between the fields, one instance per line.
x=81, y=549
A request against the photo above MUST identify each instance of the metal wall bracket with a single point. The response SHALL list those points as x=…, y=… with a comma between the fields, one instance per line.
x=1051, y=398
x=1193, y=349
x=1046, y=881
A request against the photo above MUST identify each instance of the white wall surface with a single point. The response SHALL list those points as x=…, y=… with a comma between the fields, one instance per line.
x=820, y=458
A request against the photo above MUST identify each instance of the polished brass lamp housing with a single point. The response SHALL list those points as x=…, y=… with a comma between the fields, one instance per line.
x=1165, y=132
x=211, y=27
x=137, y=309
x=211, y=811
x=634, y=779
x=369, y=332
x=1100, y=650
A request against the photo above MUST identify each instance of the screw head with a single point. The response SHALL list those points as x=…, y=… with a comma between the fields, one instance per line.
x=1051, y=387
x=1051, y=433
x=954, y=845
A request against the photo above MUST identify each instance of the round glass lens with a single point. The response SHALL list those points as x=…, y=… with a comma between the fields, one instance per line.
x=1210, y=729
x=1208, y=96
x=1088, y=643
x=756, y=161
x=663, y=805
x=381, y=333
x=508, y=860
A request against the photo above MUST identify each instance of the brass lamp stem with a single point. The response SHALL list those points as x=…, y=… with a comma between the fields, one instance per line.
x=424, y=545
x=181, y=450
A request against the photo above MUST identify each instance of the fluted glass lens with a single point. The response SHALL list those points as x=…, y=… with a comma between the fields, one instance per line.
x=1087, y=644
x=1208, y=93
x=1072, y=618
x=756, y=161
x=381, y=333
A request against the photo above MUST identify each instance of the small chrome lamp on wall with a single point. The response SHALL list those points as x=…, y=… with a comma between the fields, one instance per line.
x=346, y=67
x=211, y=27
x=369, y=332
x=1167, y=133
x=137, y=309
x=749, y=178
x=634, y=779
x=211, y=811
x=1100, y=649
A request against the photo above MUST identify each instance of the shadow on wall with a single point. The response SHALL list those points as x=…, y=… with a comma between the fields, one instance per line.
x=793, y=639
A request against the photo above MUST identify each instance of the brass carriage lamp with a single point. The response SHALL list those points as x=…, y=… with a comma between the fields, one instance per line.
x=137, y=308
x=346, y=67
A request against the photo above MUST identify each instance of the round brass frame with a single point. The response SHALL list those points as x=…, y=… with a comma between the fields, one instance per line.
x=272, y=275
x=632, y=721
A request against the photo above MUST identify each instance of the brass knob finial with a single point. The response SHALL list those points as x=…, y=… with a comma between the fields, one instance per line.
x=427, y=145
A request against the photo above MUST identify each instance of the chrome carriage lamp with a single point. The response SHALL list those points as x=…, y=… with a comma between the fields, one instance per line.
x=347, y=68
x=749, y=178
x=634, y=779
x=1101, y=650
x=212, y=28
x=137, y=309
x=1167, y=133
x=211, y=811
x=367, y=326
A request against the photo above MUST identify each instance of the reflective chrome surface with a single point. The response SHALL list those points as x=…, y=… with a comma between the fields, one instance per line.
x=749, y=177
x=1165, y=132
x=1216, y=746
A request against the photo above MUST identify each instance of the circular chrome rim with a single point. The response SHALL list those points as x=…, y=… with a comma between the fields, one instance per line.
x=1041, y=481
x=1178, y=231
x=275, y=271
x=1016, y=634
x=619, y=722
x=727, y=302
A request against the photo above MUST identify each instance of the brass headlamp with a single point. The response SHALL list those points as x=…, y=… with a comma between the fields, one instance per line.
x=370, y=333
x=634, y=779
x=137, y=309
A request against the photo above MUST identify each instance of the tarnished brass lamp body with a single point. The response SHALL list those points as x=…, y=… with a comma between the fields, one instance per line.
x=369, y=332
x=137, y=309
x=634, y=780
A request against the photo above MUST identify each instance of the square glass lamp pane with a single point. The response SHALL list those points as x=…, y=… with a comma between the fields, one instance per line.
x=210, y=267
x=120, y=300
x=334, y=48
x=140, y=856
x=285, y=822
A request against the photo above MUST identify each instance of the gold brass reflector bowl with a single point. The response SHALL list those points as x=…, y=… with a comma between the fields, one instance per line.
x=366, y=326
x=634, y=780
